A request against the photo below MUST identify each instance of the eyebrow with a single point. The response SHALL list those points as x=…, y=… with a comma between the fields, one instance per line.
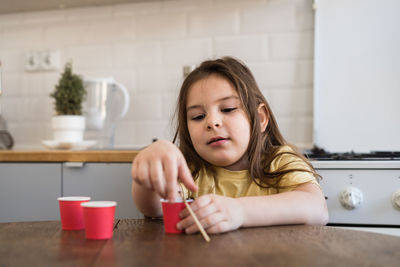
x=218, y=100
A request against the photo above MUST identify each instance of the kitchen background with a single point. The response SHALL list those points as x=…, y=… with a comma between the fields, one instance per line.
x=145, y=45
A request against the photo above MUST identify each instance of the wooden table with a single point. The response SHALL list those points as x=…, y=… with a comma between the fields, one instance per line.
x=67, y=155
x=144, y=243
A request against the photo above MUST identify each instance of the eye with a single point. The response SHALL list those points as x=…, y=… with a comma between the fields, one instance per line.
x=227, y=110
x=198, y=117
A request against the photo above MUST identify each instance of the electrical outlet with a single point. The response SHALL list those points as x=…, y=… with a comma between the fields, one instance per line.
x=49, y=60
x=42, y=60
x=32, y=59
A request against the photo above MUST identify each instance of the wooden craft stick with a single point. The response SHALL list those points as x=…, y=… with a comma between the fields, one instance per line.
x=202, y=231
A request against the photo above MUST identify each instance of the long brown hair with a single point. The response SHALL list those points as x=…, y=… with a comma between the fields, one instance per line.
x=262, y=149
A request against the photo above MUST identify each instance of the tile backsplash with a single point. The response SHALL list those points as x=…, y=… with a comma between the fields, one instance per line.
x=145, y=46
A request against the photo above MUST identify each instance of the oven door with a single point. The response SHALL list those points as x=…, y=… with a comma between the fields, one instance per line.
x=363, y=195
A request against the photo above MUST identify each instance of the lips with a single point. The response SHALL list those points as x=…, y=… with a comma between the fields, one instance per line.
x=216, y=139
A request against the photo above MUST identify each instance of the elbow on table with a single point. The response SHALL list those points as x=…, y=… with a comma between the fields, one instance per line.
x=320, y=216
x=324, y=213
x=323, y=219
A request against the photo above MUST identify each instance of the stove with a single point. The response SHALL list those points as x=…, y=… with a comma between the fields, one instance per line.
x=321, y=154
x=362, y=190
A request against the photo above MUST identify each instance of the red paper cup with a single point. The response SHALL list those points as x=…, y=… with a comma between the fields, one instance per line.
x=99, y=219
x=171, y=212
x=71, y=212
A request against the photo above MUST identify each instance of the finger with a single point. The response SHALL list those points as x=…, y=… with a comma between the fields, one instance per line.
x=185, y=223
x=143, y=175
x=199, y=203
x=206, y=211
x=207, y=222
x=220, y=227
x=134, y=170
x=171, y=174
x=185, y=175
x=157, y=178
x=171, y=179
x=201, y=214
x=204, y=207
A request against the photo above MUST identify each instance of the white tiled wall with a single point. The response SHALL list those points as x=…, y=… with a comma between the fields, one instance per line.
x=145, y=45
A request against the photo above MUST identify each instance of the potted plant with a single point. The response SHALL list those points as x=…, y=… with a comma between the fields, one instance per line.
x=69, y=124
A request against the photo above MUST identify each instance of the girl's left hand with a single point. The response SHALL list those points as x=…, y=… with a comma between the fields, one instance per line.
x=217, y=214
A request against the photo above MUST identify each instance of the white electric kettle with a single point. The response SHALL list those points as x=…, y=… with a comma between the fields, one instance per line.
x=107, y=101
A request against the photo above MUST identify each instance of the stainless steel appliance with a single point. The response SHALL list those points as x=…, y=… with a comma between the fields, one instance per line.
x=362, y=190
x=356, y=109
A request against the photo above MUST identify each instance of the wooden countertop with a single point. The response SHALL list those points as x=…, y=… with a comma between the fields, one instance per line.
x=67, y=155
x=144, y=243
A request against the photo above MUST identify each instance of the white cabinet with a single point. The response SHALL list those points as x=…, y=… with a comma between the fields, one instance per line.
x=29, y=191
x=102, y=181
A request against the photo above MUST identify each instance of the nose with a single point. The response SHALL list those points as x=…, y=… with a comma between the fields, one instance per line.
x=210, y=126
x=213, y=121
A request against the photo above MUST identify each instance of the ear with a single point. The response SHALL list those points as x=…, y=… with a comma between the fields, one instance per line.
x=263, y=116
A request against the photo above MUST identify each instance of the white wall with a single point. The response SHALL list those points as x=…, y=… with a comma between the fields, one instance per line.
x=145, y=46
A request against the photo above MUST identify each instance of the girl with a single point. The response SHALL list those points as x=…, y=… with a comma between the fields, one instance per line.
x=231, y=157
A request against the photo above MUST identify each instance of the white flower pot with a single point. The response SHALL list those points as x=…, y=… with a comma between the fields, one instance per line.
x=68, y=128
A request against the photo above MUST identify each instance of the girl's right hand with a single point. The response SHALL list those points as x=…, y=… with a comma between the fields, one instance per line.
x=158, y=168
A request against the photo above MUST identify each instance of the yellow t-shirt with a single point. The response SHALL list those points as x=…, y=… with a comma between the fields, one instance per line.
x=239, y=183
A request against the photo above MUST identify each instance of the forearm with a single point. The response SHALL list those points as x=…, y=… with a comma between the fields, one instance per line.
x=295, y=207
x=147, y=201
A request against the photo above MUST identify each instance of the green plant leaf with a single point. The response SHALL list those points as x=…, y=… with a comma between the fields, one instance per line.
x=69, y=93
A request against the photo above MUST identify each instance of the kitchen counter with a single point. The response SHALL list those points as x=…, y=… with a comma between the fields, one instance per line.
x=67, y=155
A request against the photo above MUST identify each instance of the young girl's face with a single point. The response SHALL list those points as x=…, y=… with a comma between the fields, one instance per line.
x=218, y=125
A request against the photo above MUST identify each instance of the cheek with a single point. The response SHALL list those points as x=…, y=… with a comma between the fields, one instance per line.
x=195, y=136
x=242, y=127
x=193, y=133
x=243, y=133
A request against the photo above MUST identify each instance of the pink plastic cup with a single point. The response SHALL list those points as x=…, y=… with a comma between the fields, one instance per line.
x=99, y=219
x=171, y=212
x=71, y=212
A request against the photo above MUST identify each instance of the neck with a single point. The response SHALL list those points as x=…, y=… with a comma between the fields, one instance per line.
x=242, y=164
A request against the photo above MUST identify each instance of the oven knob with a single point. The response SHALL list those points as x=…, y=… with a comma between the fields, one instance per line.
x=396, y=199
x=351, y=198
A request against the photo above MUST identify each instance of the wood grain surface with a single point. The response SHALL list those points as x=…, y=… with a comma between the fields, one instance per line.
x=68, y=156
x=144, y=243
